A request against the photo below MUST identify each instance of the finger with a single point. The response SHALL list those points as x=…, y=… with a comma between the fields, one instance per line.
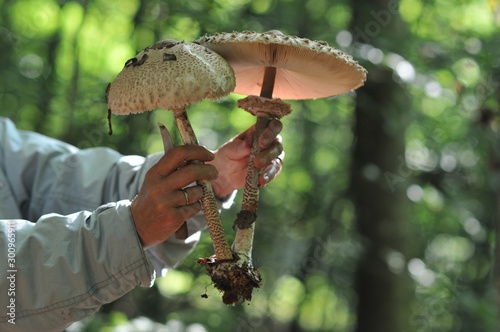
x=178, y=156
x=270, y=133
x=271, y=171
x=191, y=173
x=188, y=211
x=265, y=157
x=189, y=195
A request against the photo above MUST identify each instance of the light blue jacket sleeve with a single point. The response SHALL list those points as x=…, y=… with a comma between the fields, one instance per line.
x=63, y=268
x=65, y=217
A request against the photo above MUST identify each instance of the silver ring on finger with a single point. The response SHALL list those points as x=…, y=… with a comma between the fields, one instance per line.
x=186, y=196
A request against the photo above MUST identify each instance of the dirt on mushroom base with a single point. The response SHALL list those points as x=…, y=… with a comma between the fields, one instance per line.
x=236, y=282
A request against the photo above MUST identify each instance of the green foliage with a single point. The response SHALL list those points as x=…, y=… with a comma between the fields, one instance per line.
x=58, y=57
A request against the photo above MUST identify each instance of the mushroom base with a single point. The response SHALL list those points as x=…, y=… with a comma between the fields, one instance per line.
x=234, y=281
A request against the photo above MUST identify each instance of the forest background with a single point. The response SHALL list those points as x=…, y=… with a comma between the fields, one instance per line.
x=385, y=217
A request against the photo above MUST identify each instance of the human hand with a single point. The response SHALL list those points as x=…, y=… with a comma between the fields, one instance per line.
x=160, y=207
x=231, y=159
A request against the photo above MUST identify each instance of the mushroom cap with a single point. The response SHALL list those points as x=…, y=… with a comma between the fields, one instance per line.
x=305, y=69
x=170, y=75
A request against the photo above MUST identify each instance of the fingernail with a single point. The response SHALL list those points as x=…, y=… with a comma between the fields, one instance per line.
x=266, y=177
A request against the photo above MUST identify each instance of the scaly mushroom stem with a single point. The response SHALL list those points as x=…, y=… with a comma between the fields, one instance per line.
x=214, y=224
x=265, y=108
x=245, y=222
x=236, y=280
x=239, y=277
x=250, y=201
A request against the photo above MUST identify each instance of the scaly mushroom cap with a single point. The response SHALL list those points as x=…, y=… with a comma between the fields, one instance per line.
x=169, y=75
x=305, y=69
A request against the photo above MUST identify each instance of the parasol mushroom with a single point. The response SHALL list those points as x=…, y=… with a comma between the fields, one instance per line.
x=173, y=75
x=271, y=66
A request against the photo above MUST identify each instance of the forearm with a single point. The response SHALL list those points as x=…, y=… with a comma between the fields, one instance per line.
x=66, y=267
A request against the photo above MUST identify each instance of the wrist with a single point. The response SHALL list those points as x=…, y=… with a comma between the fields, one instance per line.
x=226, y=198
x=222, y=189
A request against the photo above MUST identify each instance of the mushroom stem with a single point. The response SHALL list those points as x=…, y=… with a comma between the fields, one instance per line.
x=265, y=108
x=208, y=202
x=245, y=220
x=250, y=201
x=268, y=82
x=243, y=244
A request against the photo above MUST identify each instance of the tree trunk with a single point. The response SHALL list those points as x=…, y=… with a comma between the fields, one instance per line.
x=379, y=179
